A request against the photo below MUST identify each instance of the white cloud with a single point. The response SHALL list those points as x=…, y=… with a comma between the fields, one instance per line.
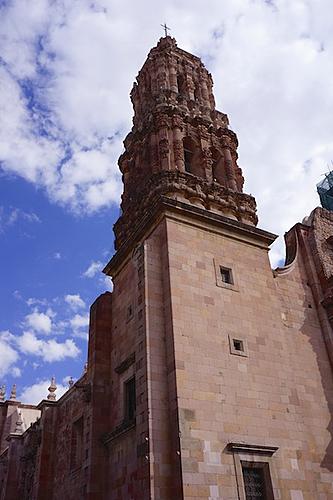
x=10, y=216
x=75, y=301
x=32, y=301
x=17, y=295
x=74, y=158
x=16, y=371
x=49, y=350
x=108, y=283
x=17, y=213
x=20, y=143
x=35, y=393
x=80, y=324
x=8, y=355
x=271, y=63
x=94, y=268
x=57, y=256
x=39, y=322
x=79, y=321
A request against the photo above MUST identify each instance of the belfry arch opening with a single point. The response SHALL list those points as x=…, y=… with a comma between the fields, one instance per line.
x=181, y=83
x=196, y=92
x=192, y=157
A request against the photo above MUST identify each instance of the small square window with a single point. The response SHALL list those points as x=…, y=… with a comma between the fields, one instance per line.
x=238, y=345
x=226, y=275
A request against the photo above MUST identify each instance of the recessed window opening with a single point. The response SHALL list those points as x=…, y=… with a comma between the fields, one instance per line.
x=130, y=400
x=181, y=84
x=76, y=443
x=192, y=157
x=238, y=345
x=226, y=275
x=188, y=158
x=196, y=93
x=257, y=481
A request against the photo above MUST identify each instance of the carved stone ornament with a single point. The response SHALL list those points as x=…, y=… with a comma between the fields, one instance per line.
x=242, y=206
x=164, y=148
x=178, y=150
x=174, y=93
x=177, y=122
x=162, y=121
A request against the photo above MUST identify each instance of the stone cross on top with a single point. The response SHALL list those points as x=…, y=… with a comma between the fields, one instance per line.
x=166, y=29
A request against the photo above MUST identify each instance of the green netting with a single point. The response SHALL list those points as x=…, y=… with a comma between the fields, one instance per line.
x=325, y=191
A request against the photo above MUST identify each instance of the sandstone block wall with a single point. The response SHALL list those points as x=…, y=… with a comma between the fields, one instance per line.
x=278, y=394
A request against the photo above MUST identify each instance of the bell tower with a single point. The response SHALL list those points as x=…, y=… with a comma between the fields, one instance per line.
x=185, y=240
x=180, y=146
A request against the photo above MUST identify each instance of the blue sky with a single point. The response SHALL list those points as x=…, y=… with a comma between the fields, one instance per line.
x=66, y=70
x=50, y=273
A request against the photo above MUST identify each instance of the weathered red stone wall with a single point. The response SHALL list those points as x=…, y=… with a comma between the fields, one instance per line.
x=128, y=468
x=162, y=398
x=40, y=462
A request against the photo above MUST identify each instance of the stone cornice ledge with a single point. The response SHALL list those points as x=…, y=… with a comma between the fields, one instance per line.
x=252, y=449
x=163, y=203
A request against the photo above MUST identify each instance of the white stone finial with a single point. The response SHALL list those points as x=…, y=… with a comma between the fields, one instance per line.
x=19, y=424
x=2, y=393
x=51, y=395
x=13, y=393
x=85, y=369
x=70, y=382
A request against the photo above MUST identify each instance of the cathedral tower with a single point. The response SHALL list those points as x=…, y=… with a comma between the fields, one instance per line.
x=206, y=396
x=180, y=146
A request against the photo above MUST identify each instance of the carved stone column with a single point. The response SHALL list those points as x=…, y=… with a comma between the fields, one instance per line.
x=206, y=153
x=162, y=123
x=190, y=86
x=230, y=174
x=153, y=153
x=178, y=148
x=173, y=76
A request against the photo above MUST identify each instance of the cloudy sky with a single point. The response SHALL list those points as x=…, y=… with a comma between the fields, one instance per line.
x=66, y=69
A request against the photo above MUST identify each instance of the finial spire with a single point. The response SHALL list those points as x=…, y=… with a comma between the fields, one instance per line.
x=51, y=395
x=166, y=29
x=19, y=424
x=2, y=392
x=13, y=393
x=71, y=382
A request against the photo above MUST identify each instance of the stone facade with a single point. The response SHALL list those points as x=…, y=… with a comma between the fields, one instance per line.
x=209, y=375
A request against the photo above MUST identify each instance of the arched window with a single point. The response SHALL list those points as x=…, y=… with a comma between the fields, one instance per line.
x=181, y=84
x=192, y=157
x=188, y=155
x=196, y=92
